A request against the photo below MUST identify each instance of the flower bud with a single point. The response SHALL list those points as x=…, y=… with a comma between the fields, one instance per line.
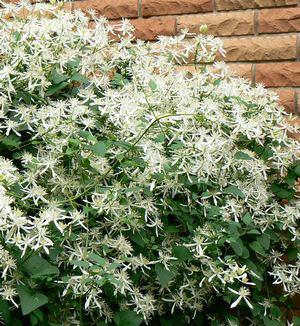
x=203, y=29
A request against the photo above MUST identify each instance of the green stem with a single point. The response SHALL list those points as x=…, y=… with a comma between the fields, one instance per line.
x=129, y=150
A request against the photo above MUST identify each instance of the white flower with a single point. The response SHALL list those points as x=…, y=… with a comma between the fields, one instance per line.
x=242, y=293
x=8, y=293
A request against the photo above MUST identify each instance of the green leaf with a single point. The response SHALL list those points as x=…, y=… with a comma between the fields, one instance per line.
x=101, y=323
x=217, y=82
x=297, y=170
x=133, y=190
x=292, y=253
x=112, y=266
x=176, y=319
x=80, y=263
x=177, y=145
x=74, y=141
x=5, y=312
x=234, y=230
x=160, y=138
x=138, y=238
x=264, y=240
x=213, y=211
x=16, y=322
x=257, y=247
x=57, y=78
x=17, y=36
x=270, y=322
x=87, y=135
x=25, y=96
x=247, y=219
x=182, y=253
x=38, y=314
x=245, y=253
x=152, y=84
x=122, y=144
x=99, y=260
x=286, y=194
x=257, y=309
x=56, y=88
x=253, y=231
x=171, y=229
x=17, y=189
x=265, y=152
x=164, y=275
x=234, y=191
x=38, y=266
x=70, y=151
x=276, y=187
x=255, y=267
x=273, y=235
x=165, y=322
x=281, y=191
x=237, y=248
x=11, y=140
x=73, y=64
x=291, y=178
x=33, y=320
x=99, y=148
x=127, y=318
x=242, y=156
x=296, y=321
x=275, y=311
x=118, y=80
x=79, y=77
x=30, y=302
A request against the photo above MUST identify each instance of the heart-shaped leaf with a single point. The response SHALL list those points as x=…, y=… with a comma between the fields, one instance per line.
x=127, y=318
x=30, y=302
x=38, y=266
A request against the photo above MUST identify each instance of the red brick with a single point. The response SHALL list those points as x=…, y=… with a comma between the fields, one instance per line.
x=111, y=9
x=295, y=135
x=295, y=301
x=261, y=48
x=170, y=7
x=279, y=20
x=246, y=4
x=293, y=312
x=233, y=23
x=287, y=99
x=149, y=29
x=242, y=70
x=278, y=74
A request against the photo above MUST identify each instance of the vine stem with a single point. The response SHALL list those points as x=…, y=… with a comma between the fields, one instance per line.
x=71, y=199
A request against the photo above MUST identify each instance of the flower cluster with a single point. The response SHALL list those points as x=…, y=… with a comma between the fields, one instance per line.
x=132, y=190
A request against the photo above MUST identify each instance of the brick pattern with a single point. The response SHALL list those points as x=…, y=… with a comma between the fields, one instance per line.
x=262, y=48
x=247, y=4
x=220, y=24
x=242, y=70
x=171, y=7
x=279, y=20
x=261, y=37
x=111, y=9
x=287, y=98
x=278, y=74
x=149, y=29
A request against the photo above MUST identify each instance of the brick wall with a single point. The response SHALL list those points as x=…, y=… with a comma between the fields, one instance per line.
x=261, y=37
